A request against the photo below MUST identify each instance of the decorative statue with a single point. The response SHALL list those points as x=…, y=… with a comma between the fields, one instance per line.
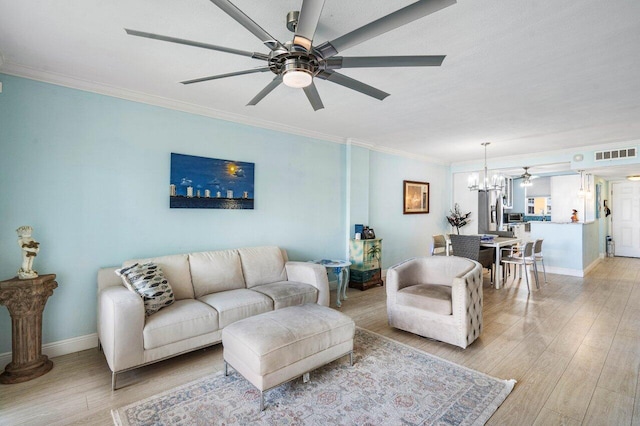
x=30, y=249
x=574, y=216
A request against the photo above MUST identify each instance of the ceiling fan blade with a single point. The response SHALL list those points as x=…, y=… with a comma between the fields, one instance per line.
x=307, y=23
x=268, y=89
x=313, y=96
x=230, y=74
x=255, y=55
x=350, y=83
x=231, y=10
x=338, y=62
x=389, y=22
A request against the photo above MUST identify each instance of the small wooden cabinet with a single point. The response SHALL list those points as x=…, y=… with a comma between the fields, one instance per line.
x=366, y=260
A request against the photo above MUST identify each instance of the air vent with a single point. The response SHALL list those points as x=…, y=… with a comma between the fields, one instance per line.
x=616, y=154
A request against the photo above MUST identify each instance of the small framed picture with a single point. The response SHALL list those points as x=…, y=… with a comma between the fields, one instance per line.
x=416, y=197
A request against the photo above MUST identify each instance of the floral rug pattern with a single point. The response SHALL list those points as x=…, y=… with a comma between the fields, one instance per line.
x=389, y=384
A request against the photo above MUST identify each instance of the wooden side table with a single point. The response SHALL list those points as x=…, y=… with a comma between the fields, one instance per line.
x=25, y=300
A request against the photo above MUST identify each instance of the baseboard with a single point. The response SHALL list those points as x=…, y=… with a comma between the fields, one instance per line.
x=572, y=272
x=62, y=347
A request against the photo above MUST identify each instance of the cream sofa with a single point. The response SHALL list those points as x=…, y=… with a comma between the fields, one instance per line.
x=212, y=290
x=438, y=297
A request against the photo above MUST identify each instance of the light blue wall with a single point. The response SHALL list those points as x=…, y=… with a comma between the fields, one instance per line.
x=358, y=171
x=90, y=173
x=410, y=235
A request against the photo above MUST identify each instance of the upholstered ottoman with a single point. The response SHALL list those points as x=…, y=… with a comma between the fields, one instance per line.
x=275, y=347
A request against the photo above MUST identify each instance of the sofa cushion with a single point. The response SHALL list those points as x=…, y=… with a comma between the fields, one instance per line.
x=288, y=293
x=214, y=271
x=184, y=319
x=176, y=270
x=262, y=265
x=434, y=298
x=234, y=305
x=148, y=282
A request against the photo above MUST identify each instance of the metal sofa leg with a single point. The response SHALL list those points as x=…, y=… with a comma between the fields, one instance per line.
x=113, y=380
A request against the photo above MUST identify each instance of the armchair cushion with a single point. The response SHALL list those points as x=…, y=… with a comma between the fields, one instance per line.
x=433, y=298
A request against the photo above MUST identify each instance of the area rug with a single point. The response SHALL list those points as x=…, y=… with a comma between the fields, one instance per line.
x=389, y=384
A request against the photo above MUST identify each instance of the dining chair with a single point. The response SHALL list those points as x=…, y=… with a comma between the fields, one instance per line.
x=469, y=246
x=537, y=254
x=439, y=246
x=523, y=259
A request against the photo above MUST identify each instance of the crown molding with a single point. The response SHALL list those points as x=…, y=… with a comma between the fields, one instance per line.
x=145, y=98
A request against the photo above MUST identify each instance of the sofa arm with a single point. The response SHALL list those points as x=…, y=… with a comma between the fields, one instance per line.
x=310, y=273
x=121, y=320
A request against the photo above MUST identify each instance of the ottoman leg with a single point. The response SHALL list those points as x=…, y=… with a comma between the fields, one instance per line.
x=351, y=359
x=261, y=401
x=226, y=369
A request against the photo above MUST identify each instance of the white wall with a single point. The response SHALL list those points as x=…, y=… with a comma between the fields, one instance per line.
x=565, y=198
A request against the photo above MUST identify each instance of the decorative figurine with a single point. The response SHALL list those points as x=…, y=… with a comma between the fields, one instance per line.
x=30, y=249
x=574, y=216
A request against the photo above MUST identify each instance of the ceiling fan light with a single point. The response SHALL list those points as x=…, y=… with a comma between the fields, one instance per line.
x=633, y=178
x=297, y=74
x=297, y=79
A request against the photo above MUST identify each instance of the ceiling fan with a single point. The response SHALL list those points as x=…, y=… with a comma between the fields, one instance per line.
x=527, y=177
x=297, y=62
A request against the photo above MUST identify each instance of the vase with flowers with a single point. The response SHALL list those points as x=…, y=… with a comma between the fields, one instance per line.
x=457, y=219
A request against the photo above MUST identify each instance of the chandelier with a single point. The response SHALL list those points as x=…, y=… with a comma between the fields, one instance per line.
x=495, y=182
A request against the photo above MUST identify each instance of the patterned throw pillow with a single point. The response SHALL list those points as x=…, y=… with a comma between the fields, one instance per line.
x=148, y=282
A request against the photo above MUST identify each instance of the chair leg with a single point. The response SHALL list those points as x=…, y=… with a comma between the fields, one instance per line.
x=535, y=272
x=526, y=276
x=544, y=270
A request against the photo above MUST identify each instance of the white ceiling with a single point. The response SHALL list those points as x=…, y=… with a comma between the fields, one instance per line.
x=529, y=76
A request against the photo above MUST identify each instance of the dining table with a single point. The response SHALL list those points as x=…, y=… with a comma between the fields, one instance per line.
x=498, y=243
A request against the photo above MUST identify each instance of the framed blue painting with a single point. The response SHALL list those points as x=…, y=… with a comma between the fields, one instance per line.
x=210, y=183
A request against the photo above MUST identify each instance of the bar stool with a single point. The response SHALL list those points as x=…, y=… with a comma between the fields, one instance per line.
x=523, y=259
x=537, y=254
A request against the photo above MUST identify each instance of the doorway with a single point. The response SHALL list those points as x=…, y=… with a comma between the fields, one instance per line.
x=625, y=218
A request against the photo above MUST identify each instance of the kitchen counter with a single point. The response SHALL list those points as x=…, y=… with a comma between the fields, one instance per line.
x=569, y=248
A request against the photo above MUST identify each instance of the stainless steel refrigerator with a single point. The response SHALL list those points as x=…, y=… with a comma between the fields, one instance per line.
x=489, y=211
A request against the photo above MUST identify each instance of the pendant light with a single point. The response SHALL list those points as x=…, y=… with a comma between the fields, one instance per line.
x=581, y=191
x=495, y=183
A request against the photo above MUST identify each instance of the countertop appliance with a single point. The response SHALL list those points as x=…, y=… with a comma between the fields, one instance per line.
x=490, y=213
x=513, y=217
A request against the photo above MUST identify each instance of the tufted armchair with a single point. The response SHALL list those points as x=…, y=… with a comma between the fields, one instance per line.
x=439, y=297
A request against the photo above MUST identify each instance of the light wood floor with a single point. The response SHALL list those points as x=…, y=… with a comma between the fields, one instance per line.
x=573, y=346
